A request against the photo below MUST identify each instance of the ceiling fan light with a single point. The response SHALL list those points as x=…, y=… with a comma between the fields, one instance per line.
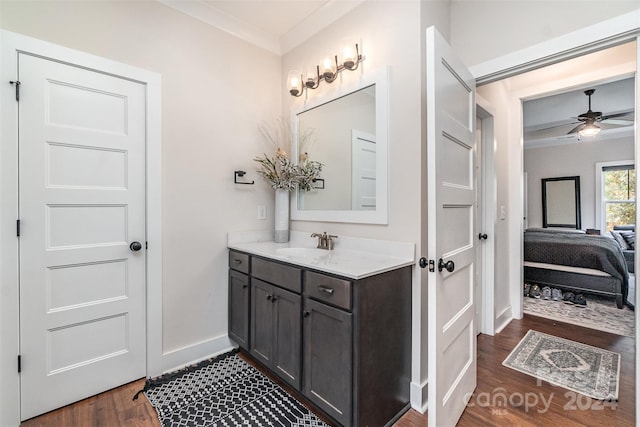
x=590, y=129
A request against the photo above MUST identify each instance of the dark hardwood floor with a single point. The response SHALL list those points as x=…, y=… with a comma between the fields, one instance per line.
x=529, y=403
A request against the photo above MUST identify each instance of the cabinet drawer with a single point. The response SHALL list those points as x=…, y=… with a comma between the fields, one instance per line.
x=329, y=289
x=239, y=262
x=278, y=274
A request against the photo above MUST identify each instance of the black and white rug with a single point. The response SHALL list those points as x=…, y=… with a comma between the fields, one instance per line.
x=225, y=391
x=582, y=368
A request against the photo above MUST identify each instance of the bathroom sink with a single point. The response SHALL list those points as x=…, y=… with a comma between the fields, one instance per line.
x=302, y=252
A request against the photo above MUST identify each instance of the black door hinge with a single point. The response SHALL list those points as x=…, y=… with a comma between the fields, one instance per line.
x=19, y=363
x=17, y=84
x=146, y=245
x=18, y=228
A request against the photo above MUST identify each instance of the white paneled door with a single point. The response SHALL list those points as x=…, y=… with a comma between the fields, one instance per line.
x=363, y=165
x=451, y=232
x=82, y=233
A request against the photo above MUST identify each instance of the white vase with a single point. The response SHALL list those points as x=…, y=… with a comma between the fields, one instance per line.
x=281, y=214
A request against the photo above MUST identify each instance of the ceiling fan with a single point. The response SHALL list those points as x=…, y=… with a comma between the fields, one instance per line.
x=591, y=122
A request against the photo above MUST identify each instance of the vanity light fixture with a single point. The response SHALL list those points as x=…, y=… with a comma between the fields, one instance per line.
x=297, y=82
x=590, y=129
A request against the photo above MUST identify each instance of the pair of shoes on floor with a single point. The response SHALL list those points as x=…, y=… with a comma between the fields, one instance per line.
x=551, y=294
x=535, y=291
x=527, y=288
x=575, y=299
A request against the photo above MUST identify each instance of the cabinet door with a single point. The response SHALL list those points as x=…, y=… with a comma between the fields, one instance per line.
x=239, y=308
x=287, y=352
x=328, y=359
x=262, y=337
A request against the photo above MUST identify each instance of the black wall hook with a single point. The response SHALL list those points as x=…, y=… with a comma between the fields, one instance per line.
x=237, y=174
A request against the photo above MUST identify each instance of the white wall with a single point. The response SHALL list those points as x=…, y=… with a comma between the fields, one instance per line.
x=482, y=30
x=209, y=114
x=577, y=159
x=391, y=34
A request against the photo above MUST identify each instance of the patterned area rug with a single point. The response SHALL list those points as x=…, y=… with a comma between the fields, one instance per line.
x=582, y=368
x=225, y=391
x=600, y=313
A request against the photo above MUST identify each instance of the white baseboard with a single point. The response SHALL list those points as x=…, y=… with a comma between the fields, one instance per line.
x=503, y=319
x=178, y=359
x=419, y=397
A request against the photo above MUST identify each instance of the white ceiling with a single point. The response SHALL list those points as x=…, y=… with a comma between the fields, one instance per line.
x=274, y=17
x=275, y=25
x=548, y=120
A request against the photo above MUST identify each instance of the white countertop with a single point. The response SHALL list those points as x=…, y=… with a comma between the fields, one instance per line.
x=351, y=257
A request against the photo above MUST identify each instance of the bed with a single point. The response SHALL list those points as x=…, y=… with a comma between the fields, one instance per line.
x=576, y=262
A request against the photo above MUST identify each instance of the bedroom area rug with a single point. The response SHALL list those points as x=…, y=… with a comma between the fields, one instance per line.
x=600, y=313
x=225, y=391
x=578, y=367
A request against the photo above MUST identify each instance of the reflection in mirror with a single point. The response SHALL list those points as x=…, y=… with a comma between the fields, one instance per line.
x=344, y=142
x=561, y=202
x=350, y=138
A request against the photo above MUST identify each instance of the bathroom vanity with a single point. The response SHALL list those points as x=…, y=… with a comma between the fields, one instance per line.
x=335, y=325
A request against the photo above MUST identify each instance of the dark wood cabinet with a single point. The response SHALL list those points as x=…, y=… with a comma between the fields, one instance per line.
x=328, y=359
x=345, y=344
x=275, y=329
x=239, y=299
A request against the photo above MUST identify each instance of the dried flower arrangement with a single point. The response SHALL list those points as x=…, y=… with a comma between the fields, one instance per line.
x=279, y=171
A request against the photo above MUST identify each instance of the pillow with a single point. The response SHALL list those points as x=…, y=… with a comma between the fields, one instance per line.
x=621, y=241
x=630, y=238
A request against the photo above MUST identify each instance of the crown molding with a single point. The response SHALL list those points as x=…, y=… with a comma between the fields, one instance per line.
x=223, y=21
x=316, y=22
x=308, y=27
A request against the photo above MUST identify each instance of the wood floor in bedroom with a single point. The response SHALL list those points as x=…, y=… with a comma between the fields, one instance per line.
x=542, y=404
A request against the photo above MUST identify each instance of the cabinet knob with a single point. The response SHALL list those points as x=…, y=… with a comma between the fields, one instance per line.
x=306, y=313
x=269, y=297
x=237, y=261
x=274, y=299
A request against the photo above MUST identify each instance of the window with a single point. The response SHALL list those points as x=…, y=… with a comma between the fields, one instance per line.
x=618, y=201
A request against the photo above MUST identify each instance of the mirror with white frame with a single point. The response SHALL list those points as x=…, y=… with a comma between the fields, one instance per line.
x=348, y=134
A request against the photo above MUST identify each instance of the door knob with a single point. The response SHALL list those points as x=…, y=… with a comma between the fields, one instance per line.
x=449, y=265
x=482, y=236
x=135, y=246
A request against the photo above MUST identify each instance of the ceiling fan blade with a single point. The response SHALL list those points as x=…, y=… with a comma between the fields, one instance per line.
x=532, y=129
x=609, y=125
x=576, y=129
x=618, y=122
x=627, y=115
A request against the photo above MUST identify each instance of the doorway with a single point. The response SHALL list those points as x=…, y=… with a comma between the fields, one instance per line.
x=14, y=46
x=577, y=73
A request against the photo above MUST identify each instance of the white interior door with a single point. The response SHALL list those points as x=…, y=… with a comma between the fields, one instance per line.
x=82, y=195
x=363, y=167
x=451, y=232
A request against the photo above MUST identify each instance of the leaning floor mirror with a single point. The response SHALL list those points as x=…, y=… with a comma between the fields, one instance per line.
x=348, y=133
x=561, y=202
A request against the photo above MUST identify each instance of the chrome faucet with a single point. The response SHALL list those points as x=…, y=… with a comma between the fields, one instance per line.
x=325, y=241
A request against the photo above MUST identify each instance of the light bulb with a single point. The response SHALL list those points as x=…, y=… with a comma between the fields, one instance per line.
x=349, y=57
x=294, y=82
x=327, y=68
